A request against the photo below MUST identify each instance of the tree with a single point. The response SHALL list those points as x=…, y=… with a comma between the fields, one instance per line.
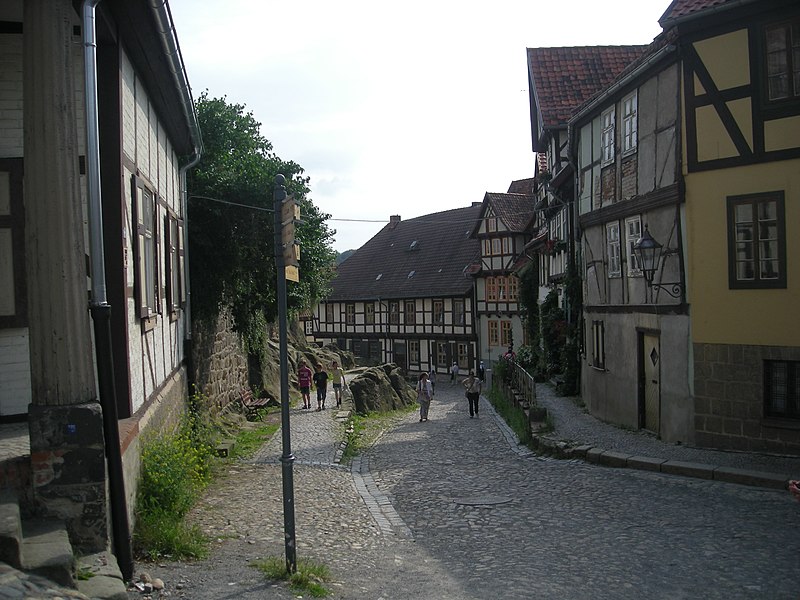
x=231, y=243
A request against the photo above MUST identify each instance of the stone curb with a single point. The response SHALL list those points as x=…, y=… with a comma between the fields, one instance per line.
x=609, y=458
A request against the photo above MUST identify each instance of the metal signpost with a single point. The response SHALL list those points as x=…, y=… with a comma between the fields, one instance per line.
x=287, y=458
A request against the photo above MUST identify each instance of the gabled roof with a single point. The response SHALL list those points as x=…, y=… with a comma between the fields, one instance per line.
x=684, y=10
x=391, y=265
x=561, y=79
x=514, y=210
x=521, y=186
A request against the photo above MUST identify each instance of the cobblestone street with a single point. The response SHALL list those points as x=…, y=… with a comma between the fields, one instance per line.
x=451, y=509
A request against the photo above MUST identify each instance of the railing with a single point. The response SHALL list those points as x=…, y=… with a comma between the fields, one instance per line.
x=523, y=384
x=518, y=386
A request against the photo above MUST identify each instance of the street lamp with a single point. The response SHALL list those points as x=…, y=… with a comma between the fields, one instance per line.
x=650, y=253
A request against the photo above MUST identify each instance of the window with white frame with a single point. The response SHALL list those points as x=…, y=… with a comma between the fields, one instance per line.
x=757, y=241
x=491, y=289
x=413, y=351
x=629, y=119
x=491, y=224
x=441, y=354
x=513, y=288
x=330, y=315
x=145, y=249
x=458, y=312
x=506, y=245
x=607, y=136
x=369, y=313
x=463, y=356
x=438, y=312
x=496, y=247
x=633, y=232
x=350, y=313
x=557, y=226
x=613, y=250
x=410, y=312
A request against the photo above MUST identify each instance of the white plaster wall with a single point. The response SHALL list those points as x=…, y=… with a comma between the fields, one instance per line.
x=11, y=133
x=15, y=372
x=156, y=353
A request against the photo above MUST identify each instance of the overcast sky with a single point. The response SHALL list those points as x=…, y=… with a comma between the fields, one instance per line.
x=401, y=108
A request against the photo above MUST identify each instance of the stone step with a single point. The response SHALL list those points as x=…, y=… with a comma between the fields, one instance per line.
x=99, y=577
x=46, y=551
x=10, y=529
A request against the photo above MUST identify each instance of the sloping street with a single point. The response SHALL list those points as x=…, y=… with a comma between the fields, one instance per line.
x=453, y=509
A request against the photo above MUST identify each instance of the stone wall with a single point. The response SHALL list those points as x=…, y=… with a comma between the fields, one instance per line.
x=729, y=399
x=220, y=363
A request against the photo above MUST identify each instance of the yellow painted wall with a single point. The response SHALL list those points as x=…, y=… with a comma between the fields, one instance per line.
x=721, y=315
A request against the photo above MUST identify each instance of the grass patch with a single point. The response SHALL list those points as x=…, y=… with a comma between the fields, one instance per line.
x=248, y=441
x=512, y=414
x=362, y=431
x=309, y=578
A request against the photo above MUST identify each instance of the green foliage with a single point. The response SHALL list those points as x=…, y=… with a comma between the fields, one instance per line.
x=248, y=441
x=232, y=246
x=570, y=354
x=553, y=334
x=160, y=534
x=512, y=414
x=176, y=467
x=309, y=577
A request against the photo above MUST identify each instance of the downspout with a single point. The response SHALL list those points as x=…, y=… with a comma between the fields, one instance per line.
x=172, y=51
x=99, y=307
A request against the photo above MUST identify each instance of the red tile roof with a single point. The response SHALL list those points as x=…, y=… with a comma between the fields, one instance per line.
x=684, y=8
x=514, y=210
x=521, y=186
x=563, y=78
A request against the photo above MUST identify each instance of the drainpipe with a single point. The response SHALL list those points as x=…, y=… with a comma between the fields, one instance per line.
x=172, y=52
x=99, y=307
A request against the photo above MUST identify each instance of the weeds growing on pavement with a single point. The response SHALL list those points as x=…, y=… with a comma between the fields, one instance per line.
x=362, y=431
x=176, y=468
x=512, y=414
x=309, y=578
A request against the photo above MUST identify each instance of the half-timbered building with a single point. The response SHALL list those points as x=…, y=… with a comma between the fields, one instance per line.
x=625, y=141
x=502, y=231
x=559, y=81
x=406, y=296
x=740, y=84
x=97, y=133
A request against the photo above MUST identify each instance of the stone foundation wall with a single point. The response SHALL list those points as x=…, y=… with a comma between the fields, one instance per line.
x=729, y=399
x=220, y=364
x=161, y=414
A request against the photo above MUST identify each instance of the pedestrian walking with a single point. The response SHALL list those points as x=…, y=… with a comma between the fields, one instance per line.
x=473, y=387
x=321, y=383
x=304, y=375
x=432, y=380
x=454, y=373
x=481, y=372
x=424, y=395
x=337, y=377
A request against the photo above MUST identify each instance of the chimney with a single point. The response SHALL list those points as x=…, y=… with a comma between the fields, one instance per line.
x=393, y=221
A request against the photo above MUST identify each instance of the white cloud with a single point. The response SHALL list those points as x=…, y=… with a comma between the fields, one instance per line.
x=403, y=109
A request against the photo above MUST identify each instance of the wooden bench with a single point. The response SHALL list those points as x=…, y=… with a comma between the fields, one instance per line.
x=251, y=404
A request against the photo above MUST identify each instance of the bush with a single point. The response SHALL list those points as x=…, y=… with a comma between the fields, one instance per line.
x=176, y=467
